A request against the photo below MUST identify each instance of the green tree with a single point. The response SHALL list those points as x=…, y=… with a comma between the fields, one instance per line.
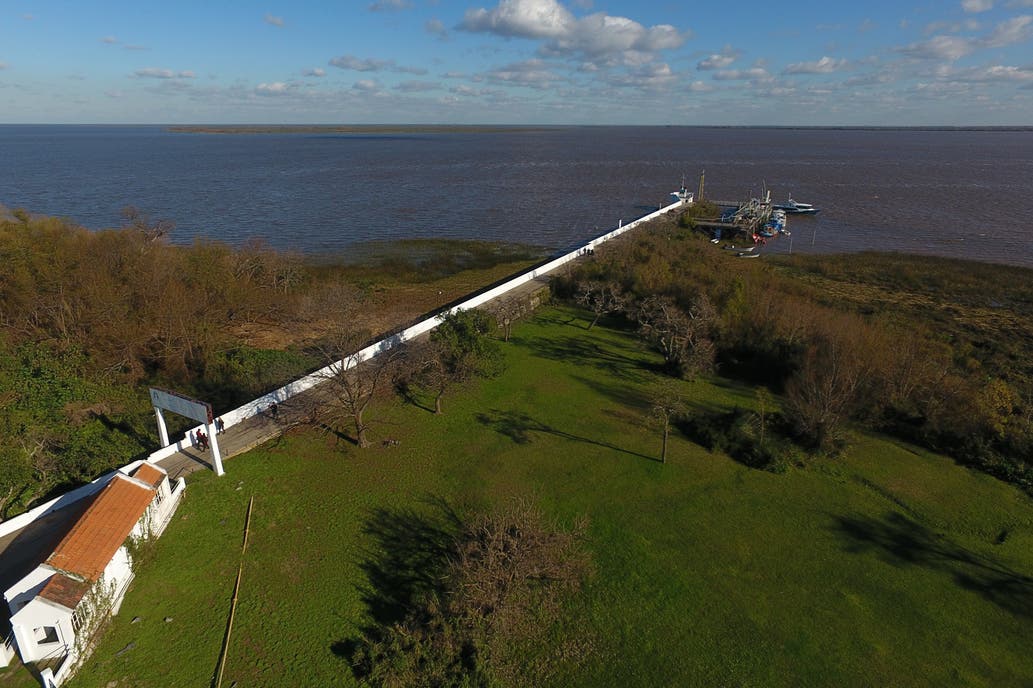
x=459, y=350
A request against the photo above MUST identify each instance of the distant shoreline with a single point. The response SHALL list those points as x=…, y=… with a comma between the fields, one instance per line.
x=354, y=129
x=517, y=128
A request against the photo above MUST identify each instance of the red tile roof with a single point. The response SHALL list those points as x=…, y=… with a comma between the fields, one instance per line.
x=64, y=590
x=150, y=474
x=95, y=538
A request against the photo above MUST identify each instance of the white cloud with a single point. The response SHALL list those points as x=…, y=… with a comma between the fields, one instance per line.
x=531, y=73
x=1015, y=30
x=951, y=27
x=700, y=87
x=273, y=20
x=372, y=65
x=275, y=88
x=3, y=65
x=317, y=71
x=389, y=5
x=652, y=76
x=596, y=35
x=155, y=73
x=113, y=94
x=417, y=86
x=995, y=73
x=940, y=48
x=717, y=61
x=754, y=73
x=366, y=85
x=521, y=18
x=826, y=65
x=110, y=40
x=975, y=6
x=872, y=79
x=464, y=90
x=436, y=28
x=28, y=17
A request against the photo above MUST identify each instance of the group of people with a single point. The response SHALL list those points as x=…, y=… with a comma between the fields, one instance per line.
x=200, y=438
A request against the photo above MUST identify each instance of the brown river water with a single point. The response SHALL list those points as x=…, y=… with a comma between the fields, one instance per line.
x=956, y=193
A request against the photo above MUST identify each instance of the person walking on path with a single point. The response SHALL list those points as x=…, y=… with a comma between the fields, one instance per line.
x=202, y=440
x=220, y=426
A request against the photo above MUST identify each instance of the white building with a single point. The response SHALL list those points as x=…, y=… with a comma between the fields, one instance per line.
x=56, y=608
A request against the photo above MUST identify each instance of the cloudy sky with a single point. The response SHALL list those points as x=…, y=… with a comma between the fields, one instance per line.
x=905, y=62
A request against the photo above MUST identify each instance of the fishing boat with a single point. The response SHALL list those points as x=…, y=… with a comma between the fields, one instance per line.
x=796, y=207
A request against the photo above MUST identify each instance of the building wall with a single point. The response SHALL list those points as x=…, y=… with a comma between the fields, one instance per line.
x=40, y=614
x=22, y=592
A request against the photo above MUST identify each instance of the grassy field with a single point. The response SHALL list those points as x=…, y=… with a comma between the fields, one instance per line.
x=888, y=566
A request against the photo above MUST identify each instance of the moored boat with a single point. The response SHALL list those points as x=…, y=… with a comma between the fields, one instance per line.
x=796, y=207
x=683, y=194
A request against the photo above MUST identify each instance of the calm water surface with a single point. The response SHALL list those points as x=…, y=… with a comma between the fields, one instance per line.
x=965, y=194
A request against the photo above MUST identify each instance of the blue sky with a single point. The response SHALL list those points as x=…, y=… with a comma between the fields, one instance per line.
x=945, y=62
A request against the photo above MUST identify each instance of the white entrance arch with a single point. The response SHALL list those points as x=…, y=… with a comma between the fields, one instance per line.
x=201, y=411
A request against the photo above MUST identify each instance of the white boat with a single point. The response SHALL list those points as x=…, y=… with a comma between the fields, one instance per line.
x=683, y=194
x=796, y=207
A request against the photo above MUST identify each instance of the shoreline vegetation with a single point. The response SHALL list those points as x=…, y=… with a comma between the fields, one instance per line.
x=807, y=470
x=380, y=129
x=94, y=317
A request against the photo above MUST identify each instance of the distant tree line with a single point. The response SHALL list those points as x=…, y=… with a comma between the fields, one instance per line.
x=853, y=339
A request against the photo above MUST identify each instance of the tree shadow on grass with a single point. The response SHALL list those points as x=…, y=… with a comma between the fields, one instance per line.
x=904, y=542
x=404, y=563
x=623, y=394
x=589, y=352
x=520, y=426
x=410, y=394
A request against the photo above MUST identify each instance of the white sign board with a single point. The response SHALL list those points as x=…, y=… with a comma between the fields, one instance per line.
x=184, y=406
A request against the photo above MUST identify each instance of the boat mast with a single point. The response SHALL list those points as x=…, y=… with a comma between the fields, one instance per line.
x=702, y=175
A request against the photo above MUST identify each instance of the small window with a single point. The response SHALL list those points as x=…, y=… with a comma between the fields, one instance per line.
x=46, y=635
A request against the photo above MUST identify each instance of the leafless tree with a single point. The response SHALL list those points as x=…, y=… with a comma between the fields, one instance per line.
x=353, y=385
x=153, y=230
x=822, y=394
x=682, y=337
x=602, y=298
x=666, y=405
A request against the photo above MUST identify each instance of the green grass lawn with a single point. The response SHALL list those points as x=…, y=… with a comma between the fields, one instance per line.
x=888, y=567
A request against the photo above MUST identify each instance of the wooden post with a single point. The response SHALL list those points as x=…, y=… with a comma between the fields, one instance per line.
x=233, y=604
